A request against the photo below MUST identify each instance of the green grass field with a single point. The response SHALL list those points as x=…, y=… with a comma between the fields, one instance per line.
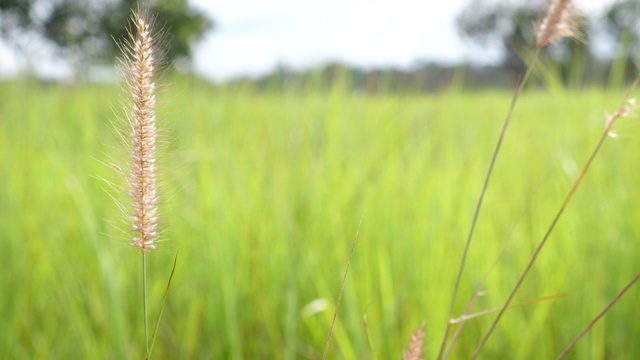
x=262, y=197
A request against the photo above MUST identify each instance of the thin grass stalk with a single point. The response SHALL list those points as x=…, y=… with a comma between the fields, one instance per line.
x=478, y=292
x=598, y=317
x=144, y=304
x=344, y=280
x=369, y=337
x=608, y=131
x=559, y=21
x=164, y=301
x=139, y=63
x=494, y=158
x=466, y=317
x=456, y=335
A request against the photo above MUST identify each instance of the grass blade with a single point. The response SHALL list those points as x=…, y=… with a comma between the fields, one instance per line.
x=598, y=317
x=623, y=111
x=344, y=279
x=503, y=132
x=164, y=301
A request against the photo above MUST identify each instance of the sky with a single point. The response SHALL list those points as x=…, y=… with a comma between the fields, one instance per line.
x=252, y=37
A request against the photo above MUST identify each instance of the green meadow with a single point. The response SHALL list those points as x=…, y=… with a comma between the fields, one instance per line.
x=263, y=194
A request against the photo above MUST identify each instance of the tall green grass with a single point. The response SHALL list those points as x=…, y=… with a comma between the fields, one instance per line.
x=264, y=193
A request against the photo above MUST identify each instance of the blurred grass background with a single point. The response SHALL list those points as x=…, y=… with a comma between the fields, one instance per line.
x=262, y=196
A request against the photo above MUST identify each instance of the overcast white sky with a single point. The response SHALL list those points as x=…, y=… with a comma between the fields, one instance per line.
x=253, y=36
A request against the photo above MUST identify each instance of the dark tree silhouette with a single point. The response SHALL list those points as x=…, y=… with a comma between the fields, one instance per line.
x=623, y=24
x=87, y=28
x=513, y=25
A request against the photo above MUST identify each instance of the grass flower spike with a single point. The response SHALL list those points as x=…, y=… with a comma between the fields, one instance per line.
x=560, y=21
x=415, y=347
x=624, y=111
x=140, y=64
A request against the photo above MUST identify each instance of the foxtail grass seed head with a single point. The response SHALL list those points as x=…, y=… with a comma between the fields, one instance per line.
x=140, y=63
x=560, y=21
x=415, y=347
x=623, y=112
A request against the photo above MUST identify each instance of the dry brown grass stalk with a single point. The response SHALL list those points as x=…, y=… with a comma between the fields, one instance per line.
x=623, y=111
x=598, y=317
x=560, y=21
x=479, y=289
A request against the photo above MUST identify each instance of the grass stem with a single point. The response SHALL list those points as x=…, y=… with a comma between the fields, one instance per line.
x=344, y=280
x=600, y=315
x=144, y=304
x=479, y=289
x=503, y=132
x=622, y=111
x=164, y=302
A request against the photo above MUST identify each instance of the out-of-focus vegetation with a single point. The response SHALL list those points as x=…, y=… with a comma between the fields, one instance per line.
x=264, y=185
x=89, y=30
x=262, y=196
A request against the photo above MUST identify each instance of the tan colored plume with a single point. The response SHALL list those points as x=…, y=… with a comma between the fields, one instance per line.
x=415, y=346
x=140, y=64
x=560, y=21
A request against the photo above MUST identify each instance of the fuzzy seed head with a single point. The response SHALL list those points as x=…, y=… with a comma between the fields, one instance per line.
x=560, y=21
x=415, y=347
x=140, y=63
x=624, y=111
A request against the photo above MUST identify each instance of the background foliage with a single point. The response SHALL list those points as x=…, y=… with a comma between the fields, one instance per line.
x=87, y=29
x=265, y=182
x=263, y=193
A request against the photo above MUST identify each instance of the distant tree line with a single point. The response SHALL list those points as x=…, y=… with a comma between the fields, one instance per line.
x=512, y=26
x=88, y=30
x=427, y=77
x=85, y=30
